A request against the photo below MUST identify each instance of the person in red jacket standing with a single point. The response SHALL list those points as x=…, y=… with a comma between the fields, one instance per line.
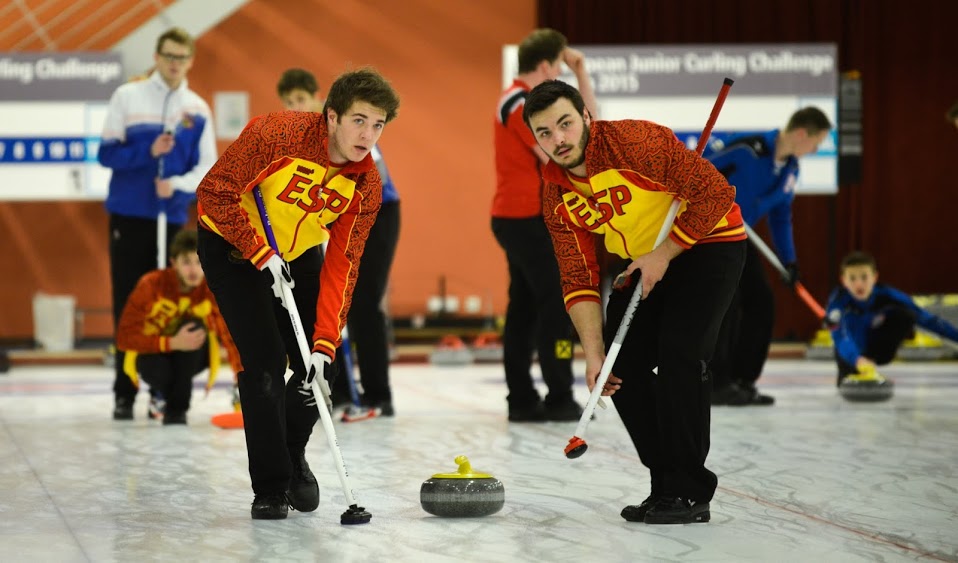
x=536, y=320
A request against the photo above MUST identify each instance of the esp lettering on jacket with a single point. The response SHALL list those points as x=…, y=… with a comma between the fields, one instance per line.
x=593, y=212
x=167, y=316
x=310, y=196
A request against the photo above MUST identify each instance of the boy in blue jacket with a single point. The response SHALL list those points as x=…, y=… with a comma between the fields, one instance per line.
x=869, y=320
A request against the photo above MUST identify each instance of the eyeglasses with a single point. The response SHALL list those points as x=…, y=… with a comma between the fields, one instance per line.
x=171, y=58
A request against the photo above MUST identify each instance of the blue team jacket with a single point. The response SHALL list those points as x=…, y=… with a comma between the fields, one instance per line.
x=139, y=112
x=761, y=187
x=389, y=189
x=850, y=319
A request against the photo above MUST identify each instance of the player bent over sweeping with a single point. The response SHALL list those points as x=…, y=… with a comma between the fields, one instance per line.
x=617, y=180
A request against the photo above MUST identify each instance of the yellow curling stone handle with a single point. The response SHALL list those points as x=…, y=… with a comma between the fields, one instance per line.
x=465, y=471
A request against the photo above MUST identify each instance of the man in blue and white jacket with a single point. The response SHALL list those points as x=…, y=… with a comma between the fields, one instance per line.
x=764, y=170
x=158, y=140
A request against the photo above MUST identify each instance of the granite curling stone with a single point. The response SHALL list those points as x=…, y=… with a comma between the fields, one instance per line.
x=451, y=351
x=464, y=493
x=866, y=387
x=487, y=347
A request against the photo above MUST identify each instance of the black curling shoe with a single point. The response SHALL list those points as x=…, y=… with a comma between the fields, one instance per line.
x=563, y=411
x=123, y=409
x=637, y=512
x=675, y=510
x=303, y=493
x=270, y=506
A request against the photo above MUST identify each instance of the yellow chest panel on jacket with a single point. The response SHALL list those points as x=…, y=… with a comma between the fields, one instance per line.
x=167, y=316
x=628, y=216
x=299, y=205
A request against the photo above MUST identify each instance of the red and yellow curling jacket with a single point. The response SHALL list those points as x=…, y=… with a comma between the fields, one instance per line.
x=286, y=155
x=155, y=311
x=635, y=169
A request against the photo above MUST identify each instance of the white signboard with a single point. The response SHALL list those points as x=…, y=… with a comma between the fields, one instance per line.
x=53, y=106
x=676, y=85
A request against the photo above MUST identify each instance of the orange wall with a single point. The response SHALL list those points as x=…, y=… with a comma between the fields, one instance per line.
x=53, y=247
x=443, y=57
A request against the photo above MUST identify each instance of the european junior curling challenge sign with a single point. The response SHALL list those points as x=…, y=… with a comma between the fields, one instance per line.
x=676, y=85
x=53, y=107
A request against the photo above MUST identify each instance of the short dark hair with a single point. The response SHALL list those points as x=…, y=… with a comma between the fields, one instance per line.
x=296, y=78
x=858, y=258
x=365, y=85
x=952, y=114
x=176, y=35
x=549, y=92
x=185, y=242
x=811, y=119
x=541, y=45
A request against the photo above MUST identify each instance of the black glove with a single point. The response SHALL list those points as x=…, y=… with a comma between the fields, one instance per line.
x=790, y=277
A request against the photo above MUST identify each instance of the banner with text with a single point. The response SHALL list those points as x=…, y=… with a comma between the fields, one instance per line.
x=53, y=107
x=676, y=85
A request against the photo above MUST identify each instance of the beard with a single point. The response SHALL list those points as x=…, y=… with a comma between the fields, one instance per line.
x=583, y=141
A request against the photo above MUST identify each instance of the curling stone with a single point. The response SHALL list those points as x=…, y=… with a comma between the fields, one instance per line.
x=464, y=493
x=487, y=347
x=923, y=347
x=821, y=347
x=451, y=351
x=866, y=387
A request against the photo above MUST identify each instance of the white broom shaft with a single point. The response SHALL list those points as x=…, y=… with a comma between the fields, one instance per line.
x=765, y=250
x=327, y=421
x=290, y=303
x=161, y=239
x=161, y=217
x=319, y=393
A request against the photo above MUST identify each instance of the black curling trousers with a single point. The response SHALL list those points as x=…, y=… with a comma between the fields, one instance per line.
x=366, y=319
x=276, y=418
x=132, y=254
x=536, y=318
x=746, y=333
x=675, y=329
x=172, y=374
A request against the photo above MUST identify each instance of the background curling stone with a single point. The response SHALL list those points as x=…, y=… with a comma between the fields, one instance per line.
x=821, y=347
x=866, y=387
x=464, y=493
x=451, y=351
x=923, y=347
x=487, y=347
